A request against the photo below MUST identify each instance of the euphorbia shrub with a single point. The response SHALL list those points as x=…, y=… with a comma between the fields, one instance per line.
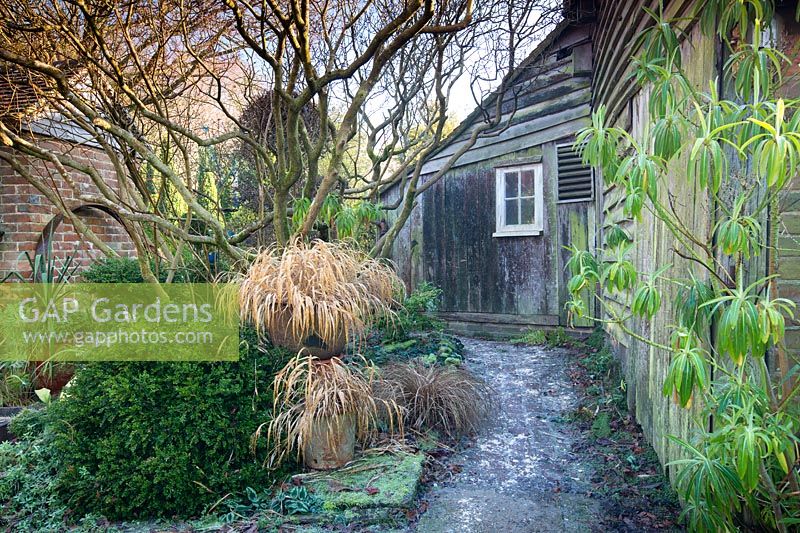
x=744, y=472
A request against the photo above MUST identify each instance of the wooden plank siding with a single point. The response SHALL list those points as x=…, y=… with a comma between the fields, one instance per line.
x=645, y=367
x=506, y=284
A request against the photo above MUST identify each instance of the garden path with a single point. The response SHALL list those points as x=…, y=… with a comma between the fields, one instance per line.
x=520, y=475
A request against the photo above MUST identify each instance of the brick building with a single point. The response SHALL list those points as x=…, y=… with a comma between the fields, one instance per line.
x=29, y=222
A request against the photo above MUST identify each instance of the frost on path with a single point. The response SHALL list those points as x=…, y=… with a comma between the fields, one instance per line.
x=520, y=475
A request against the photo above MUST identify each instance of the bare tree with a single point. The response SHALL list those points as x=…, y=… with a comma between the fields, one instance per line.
x=157, y=83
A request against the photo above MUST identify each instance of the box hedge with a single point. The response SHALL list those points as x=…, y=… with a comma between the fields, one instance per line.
x=136, y=440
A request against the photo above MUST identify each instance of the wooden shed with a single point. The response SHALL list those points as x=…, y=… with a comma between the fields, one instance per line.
x=492, y=231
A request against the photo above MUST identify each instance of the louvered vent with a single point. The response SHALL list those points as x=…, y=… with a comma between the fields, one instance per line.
x=574, y=178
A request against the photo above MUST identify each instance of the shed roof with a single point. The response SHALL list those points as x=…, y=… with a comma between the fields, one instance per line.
x=542, y=84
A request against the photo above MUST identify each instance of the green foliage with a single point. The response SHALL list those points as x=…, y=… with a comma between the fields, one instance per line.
x=741, y=474
x=601, y=428
x=598, y=144
x=45, y=268
x=739, y=233
x=687, y=370
x=753, y=67
x=296, y=500
x=288, y=501
x=127, y=270
x=417, y=313
x=619, y=274
x=161, y=439
x=647, y=298
x=615, y=236
x=349, y=219
x=433, y=347
x=554, y=338
x=15, y=383
x=777, y=146
x=533, y=336
x=28, y=484
x=692, y=311
x=449, y=352
x=113, y=270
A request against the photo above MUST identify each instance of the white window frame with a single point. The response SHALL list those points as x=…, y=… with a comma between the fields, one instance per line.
x=519, y=230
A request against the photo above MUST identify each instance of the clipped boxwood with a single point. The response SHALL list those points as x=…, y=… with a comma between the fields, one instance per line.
x=127, y=270
x=113, y=270
x=137, y=440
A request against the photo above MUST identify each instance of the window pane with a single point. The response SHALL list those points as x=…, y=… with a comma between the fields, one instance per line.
x=527, y=209
x=512, y=185
x=527, y=183
x=512, y=215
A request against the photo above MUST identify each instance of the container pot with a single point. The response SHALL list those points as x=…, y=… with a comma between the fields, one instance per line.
x=332, y=443
x=281, y=335
x=53, y=376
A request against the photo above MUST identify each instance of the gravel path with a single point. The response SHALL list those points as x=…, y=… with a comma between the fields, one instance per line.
x=520, y=475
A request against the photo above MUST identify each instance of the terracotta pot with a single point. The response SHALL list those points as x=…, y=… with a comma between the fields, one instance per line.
x=332, y=444
x=54, y=378
x=281, y=335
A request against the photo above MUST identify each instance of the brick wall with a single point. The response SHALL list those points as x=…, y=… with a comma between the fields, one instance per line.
x=25, y=212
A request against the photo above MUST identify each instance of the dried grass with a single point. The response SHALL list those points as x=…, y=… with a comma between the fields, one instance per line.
x=309, y=391
x=445, y=398
x=325, y=289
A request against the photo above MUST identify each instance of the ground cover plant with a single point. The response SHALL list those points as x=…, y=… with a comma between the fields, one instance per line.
x=553, y=338
x=738, y=144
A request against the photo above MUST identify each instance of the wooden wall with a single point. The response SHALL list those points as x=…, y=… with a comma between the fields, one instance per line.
x=646, y=367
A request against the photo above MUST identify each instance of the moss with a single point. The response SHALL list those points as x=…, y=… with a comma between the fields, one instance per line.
x=376, y=480
x=428, y=441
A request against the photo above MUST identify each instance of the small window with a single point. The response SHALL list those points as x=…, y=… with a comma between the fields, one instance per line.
x=520, y=203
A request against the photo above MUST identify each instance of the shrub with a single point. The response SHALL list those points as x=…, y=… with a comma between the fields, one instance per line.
x=113, y=270
x=415, y=314
x=445, y=398
x=127, y=270
x=162, y=439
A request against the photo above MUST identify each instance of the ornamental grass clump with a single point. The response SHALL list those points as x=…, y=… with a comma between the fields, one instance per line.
x=322, y=407
x=446, y=398
x=315, y=297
